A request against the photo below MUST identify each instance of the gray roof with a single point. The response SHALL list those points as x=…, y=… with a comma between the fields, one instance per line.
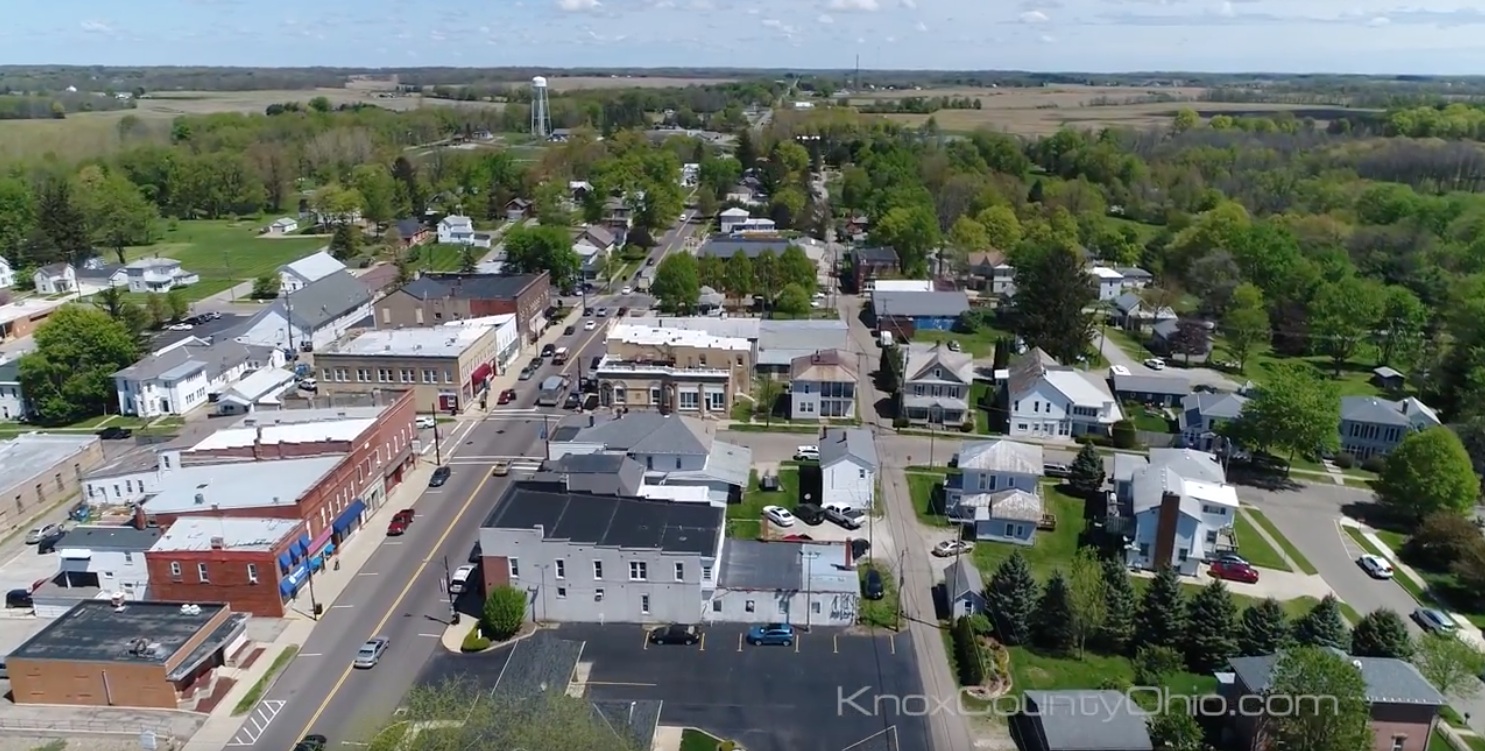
x=1388, y=681
x=110, y=538
x=1382, y=371
x=1029, y=368
x=1134, y=272
x=1002, y=456
x=923, y=359
x=726, y=462
x=324, y=300
x=878, y=254
x=1014, y=505
x=1125, y=465
x=727, y=246
x=779, y=342
x=841, y=443
x=10, y=371
x=22, y=456
x=914, y=304
x=54, y=269
x=772, y=566
x=1222, y=406
x=1152, y=384
x=1127, y=302
x=650, y=433
x=962, y=577
x=1189, y=464
x=1083, y=720
x=92, y=631
x=596, y=232
x=1166, y=328
x=1370, y=409
x=186, y=359
x=101, y=272
x=610, y=521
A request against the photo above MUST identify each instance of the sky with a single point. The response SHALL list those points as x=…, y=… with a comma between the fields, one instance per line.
x=1294, y=36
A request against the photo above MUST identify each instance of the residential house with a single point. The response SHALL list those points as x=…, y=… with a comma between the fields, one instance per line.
x=736, y=219
x=673, y=449
x=997, y=490
x=618, y=215
x=187, y=375
x=7, y=274
x=411, y=232
x=823, y=385
x=1110, y=282
x=1371, y=426
x=936, y=385
x=320, y=313
x=1402, y=704
x=750, y=245
x=12, y=399
x=673, y=370
x=1203, y=415
x=1080, y=720
x=295, y=276
x=111, y=559
x=964, y=589
x=283, y=226
x=595, y=235
x=459, y=230
x=587, y=557
x=992, y=273
x=1050, y=400
x=807, y=584
x=55, y=279
x=848, y=468
x=1150, y=390
x=867, y=264
x=95, y=273
x=1135, y=277
x=158, y=275
x=1129, y=311
x=517, y=210
x=592, y=261
x=1182, y=508
x=579, y=189
x=933, y=310
x=436, y=299
x=1189, y=340
x=261, y=388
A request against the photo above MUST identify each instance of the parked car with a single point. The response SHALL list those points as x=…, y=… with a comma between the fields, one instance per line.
x=371, y=652
x=396, y=527
x=1375, y=566
x=1233, y=558
x=1436, y=621
x=859, y=548
x=781, y=634
x=569, y=331
x=439, y=477
x=807, y=454
x=115, y=434
x=675, y=633
x=1233, y=571
x=587, y=311
x=955, y=346
x=526, y=374
x=779, y=515
x=424, y=422
x=603, y=312
x=623, y=311
x=1059, y=471
x=500, y=468
x=952, y=547
x=406, y=516
x=312, y=743
x=574, y=401
x=460, y=580
x=476, y=552
x=627, y=291
x=845, y=516
x=1155, y=363
x=872, y=586
x=810, y=514
x=38, y=534
x=549, y=350
x=18, y=598
x=593, y=364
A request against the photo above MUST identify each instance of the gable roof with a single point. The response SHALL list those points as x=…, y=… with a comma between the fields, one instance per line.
x=600, y=236
x=1013, y=505
x=650, y=433
x=54, y=269
x=1403, y=413
x=826, y=365
x=1222, y=406
x=102, y=272
x=922, y=358
x=179, y=362
x=1081, y=720
x=848, y=443
x=919, y=304
x=1388, y=680
x=962, y=577
x=1080, y=387
x=313, y=267
x=1189, y=463
x=1152, y=384
x=880, y=254
x=1029, y=368
x=727, y=246
x=1002, y=456
x=324, y=300
x=410, y=227
x=1127, y=302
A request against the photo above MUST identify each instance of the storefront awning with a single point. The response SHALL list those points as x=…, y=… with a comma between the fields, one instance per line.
x=349, y=516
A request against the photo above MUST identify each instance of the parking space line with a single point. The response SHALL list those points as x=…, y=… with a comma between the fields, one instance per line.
x=797, y=641
x=702, y=643
x=644, y=641
x=892, y=643
x=835, y=639
x=739, y=642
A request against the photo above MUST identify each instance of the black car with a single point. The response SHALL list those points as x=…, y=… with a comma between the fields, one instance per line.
x=594, y=364
x=650, y=261
x=18, y=598
x=588, y=385
x=536, y=363
x=810, y=514
x=48, y=544
x=476, y=553
x=549, y=350
x=872, y=587
x=675, y=633
x=115, y=434
x=312, y=743
x=569, y=331
x=440, y=476
x=587, y=312
x=573, y=401
x=623, y=311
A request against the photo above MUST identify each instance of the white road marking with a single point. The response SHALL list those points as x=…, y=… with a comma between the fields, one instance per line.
x=253, y=727
x=432, y=636
x=368, y=573
x=342, y=606
x=311, y=654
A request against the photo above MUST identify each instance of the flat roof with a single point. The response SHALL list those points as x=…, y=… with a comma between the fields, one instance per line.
x=754, y=565
x=236, y=533
x=28, y=308
x=653, y=336
x=93, y=631
x=300, y=416
x=439, y=341
x=238, y=484
x=610, y=521
x=109, y=538
x=308, y=432
x=22, y=457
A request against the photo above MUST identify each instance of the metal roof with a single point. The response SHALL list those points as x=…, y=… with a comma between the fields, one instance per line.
x=324, y=300
x=178, y=362
x=1221, y=406
x=1388, y=681
x=650, y=433
x=235, y=533
x=1082, y=720
x=830, y=365
x=610, y=521
x=843, y=443
x=313, y=267
x=1152, y=384
x=783, y=566
x=779, y=342
x=1002, y=456
x=201, y=487
x=919, y=304
x=962, y=577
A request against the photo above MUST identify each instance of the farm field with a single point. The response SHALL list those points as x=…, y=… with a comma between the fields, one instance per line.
x=225, y=253
x=577, y=83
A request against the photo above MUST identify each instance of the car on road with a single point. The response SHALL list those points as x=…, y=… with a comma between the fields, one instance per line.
x=623, y=311
x=1435, y=621
x=810, y=514
x=1155, y=363
x=500, y=468
x=650, y=261
x=313, y=742
x=182, y=326
x=569, y=331
x=952, y=547
x=1233, y=571
x=405, y=515
x=1375, y=566
x=38, y=534
x=115, y=434
x=439, y=477
x=779, y=515
x=675, y=633
x=371, y=652
x=603, y=312
x=845, y=516
x=18, y=598
x=595, y=362
x=587, y=311
x=1059, y=471
x=506, y=397
x=460, y=580
x=425, y=422
x=396, y=527
x=574, y=401
x=781, y=634
x=627, y=291
x=526, y=373
x=807, y=454
x=590, y=325
x=549, y=350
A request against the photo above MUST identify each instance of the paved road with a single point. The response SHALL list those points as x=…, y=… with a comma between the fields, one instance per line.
x=1197, y=376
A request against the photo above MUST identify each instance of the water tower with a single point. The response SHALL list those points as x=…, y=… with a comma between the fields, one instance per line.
x=541, y=108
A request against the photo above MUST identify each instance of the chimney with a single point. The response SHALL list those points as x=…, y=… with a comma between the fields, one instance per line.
x=218, y=543
x=200, y=499
x=849, y=562
x=258, y=443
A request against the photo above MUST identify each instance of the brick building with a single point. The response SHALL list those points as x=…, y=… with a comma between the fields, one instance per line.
x=436, y=299
x=38, y=470
x=253, y=564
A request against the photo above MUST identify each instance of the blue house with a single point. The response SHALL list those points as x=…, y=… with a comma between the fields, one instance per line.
x=926, y=310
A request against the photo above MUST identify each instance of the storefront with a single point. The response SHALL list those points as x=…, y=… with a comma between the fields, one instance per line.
x=300, y=560
x=349, y=520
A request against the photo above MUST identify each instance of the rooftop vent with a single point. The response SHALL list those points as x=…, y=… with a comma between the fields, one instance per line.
x=217, y=543
x=190, y=609
x=117, y=601
x=200, y=499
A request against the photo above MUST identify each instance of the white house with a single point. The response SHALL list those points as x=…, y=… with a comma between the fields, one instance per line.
x=1183, y=510
x=7, y=274
x=807, y=585
x=673, y=449
x=295, y=276
x=996, y=490
x=848, y=468
x=738, y=219
x=312, y=317
x=158, y=275
x=1050, y=400
x=110, y=558
x=12, y=399
x=822, y=385
x=176, y=380
x=261, y=388
x=459, y=230
x=55, y=279
x=936, y=384
x=964, y=590
x=1110, y=282
x=283, y=226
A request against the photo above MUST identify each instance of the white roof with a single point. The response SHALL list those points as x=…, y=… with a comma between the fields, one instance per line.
x=903, y=285
x=652, y=336
x=284, y=222
x=1002, y=456
x=21, y=457
x=28, y=308
x=1211, y=492
x=303, y=432
x=1077, y=387
x=238, y=484
x=585, y=249
x=500, y=321
x=259, y=384
x=1104, y=272
x=689, y=493
x=735, y=211
x=196, y=533
x=314, y=267
x=440, y=341
x=457, y=222
x=151, y=263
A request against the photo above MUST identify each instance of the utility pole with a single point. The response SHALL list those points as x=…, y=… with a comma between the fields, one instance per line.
x=437, y=444
x=809, y=599
x=447, y=577
x=289, y=318
x=309, y=575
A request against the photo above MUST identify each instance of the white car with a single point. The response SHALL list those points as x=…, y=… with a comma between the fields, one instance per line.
x=779, y=515
x=460, y=580
x=1376, y=566
x=627, y=291
x=179, y=327
x=1155, y=363
x=807, y=453
x=425, y=422
x=590, y=324
x=952, y=547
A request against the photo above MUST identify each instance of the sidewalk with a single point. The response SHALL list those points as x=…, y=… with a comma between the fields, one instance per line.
x=1466, y=629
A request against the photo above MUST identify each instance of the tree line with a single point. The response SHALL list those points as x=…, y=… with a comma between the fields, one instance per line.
x=58, y=106
x=785, y=282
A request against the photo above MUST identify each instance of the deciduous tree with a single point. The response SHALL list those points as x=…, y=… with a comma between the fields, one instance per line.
x=1246, y=324
x=738, y=281
x=532, y=250
x=1343, y=316
x=677, y=284
x=793, y=301
x=1451, y=664
x=1429, y=471
x=118, y=214
x=70, y=374
x=1295, y=410
x=1400, y=329
x=1002, y=228
x=505, y=611
x=1342, y=722
x=1174, y=729
x=912, y=231
x=1086, y=598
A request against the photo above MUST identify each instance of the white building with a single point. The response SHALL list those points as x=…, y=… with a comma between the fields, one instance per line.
x=283, y=226
x=739, y=220
x=848, y=468
x=55, y=279
x=158, y=275
x=1182, y=507
x=182, y=377
x=12, y=400
x=459, y=230
x=822, y=385
x=313, y=317
x=781, y=582
x=997, y=490
x=261, y=388
x=507, y=335
x=902, y=285
x=1050, y=400
x=1110, y=282
x=108, y=558
x=7, y=274
x=674, y=450
x=295, y=276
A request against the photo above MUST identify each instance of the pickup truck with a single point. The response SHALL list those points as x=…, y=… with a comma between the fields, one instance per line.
x=847, y=517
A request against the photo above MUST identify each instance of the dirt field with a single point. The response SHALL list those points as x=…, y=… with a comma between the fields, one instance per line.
x=574, y=83
x=173, y=103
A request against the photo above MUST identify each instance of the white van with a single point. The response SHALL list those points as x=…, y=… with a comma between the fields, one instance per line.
x=460, y=580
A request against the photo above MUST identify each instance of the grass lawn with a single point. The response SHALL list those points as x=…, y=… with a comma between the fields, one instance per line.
x=695, y=740
x=881, y=613
x=441, y=257
x=1354, y=380
x=1053, y=549
x=921, y=488
x=1035, y=671
x=744, y=520
x=1284, y=542
x=979, y=344
x=1256, y=549
x=1152, y=421
x=979, y=393
x=225, y=252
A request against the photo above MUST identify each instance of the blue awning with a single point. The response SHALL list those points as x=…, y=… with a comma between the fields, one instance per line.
x=348, y=517
x=302, y=544
x=285, y=560
x=286, y=588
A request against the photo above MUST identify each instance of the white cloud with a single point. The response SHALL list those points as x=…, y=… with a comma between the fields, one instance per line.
x=1034, y=16
x=922, y=26
x=909, y=4
x=825, y=18
x=96, y=27
x=1047, y=39
x=861, y=5
x=1379, y=21
x=573, y=6
x=1225, y=10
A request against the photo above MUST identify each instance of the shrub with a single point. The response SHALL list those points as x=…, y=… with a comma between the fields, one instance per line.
x=1374, y=464
x=1441, y=539
x=967, y=654
x=1344, y=461
x=980, y=624
x=505, y=611
x=968, y=426
x=1124, y=435
x=1153, y=664
x=475, y=640
x=900, y=422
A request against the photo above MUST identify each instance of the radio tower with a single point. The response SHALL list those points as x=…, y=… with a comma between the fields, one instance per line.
x=541, y=108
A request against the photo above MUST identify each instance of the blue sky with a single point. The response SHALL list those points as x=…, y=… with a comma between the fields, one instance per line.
x=1351, y=36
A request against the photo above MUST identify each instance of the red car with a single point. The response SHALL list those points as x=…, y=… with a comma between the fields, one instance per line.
x=396, y=528
x=506, y=397
x=405, y=516
x=1234, y=571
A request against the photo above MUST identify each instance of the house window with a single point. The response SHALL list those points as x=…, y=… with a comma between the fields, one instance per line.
x=815, y=606
x=363, y=375
x=562, y=593
x=430, y=375
x=201, y=573
x=561, y=568
x=680, y=572
x=383, y=375
x=706, y=573
x=716, y=606
x=252, y=573
x=598, y=571
x=598, y=595
x=175, y=568
x=1398, y=741
x=1144, y=550
x=716, y=401
x=515, y=568
x=340, y=375
x=750, y=606
x=644, y=604
x=860, y=474
x=689, y=400
x=1211, y=537
x=639, y=571
x=448, y=376
x=654, y=395
x=1184, y=554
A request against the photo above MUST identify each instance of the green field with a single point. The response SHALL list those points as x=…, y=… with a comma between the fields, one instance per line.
x=224, y=253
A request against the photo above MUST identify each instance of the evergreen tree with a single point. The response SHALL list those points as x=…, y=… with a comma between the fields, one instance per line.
x=1211, y=625
x=1054, y=296
x=1011, y=599
x=1161, y=618
x=1382, y=633
x=1264, y=628
x=1323, y=626
x=346, y=242
x=889, y=370
x=1087, y=471
x=1118, y=619
x=1053, y=617
x=1037, y=193
x=1002, y=358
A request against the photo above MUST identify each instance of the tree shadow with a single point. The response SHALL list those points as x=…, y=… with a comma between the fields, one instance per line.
x=886, y=407
x=1379, y=516
x=1263, y=478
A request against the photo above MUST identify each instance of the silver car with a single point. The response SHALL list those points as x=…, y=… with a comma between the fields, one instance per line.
x=371, y=652
x=41, y=533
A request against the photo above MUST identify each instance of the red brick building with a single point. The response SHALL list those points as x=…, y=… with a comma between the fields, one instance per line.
x=245, y=562
x=436, y=299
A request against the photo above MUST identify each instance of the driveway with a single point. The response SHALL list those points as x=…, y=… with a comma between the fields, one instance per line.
x=1197, y=376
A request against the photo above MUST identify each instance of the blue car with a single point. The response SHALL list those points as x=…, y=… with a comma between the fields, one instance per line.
x=772, y=633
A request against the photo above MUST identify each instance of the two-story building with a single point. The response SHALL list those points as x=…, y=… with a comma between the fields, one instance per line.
x=740, y=220
x=1203, y=415
x=848, y=468
x=1050, y=400
x=158, y=275
x=295, y=276
x=822, y=385
x=40, y=470
x=673, y=370
x=185, y=375
x=1371, y=426
x=250, y=562
x=7, y=274
x=1183, y=511
x=673, y=449
x=936, y=382
x=445, y=366
x=93, y=560
x=459, y=230
x=55, y=279
x=991, y=272
x=997, y=490
x=1110, y=282
x=868, y=264
x=321, y=312
x=436, y=299
x=13, y=403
